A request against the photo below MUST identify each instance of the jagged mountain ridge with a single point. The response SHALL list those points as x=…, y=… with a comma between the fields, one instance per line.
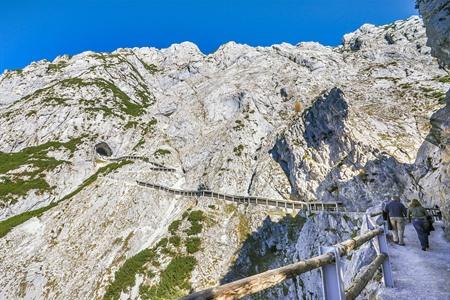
x=216, y=119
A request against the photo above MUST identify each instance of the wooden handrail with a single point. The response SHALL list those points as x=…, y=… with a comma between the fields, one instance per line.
x=360, y=282
x=253, y=284
x=346, y=247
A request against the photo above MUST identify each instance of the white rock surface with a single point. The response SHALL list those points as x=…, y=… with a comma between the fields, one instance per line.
x=220, y=120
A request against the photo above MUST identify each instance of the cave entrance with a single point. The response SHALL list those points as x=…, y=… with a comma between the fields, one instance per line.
x=103, y=149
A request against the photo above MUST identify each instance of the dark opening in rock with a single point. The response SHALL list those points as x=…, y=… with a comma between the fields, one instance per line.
x=103, y=149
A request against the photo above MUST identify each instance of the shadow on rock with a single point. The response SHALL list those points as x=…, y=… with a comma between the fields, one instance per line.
x=288, y=240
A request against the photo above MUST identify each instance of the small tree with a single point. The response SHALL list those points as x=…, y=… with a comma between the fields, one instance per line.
x=298, y=107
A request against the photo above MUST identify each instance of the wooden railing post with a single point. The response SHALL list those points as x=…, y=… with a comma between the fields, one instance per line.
x=382, y=248
x=332, y=284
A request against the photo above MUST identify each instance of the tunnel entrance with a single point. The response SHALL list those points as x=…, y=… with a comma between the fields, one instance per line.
x=103, y=149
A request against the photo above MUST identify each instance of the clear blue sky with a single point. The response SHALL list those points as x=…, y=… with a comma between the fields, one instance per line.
x=35, y=29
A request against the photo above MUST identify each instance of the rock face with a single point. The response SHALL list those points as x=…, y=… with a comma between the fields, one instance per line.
x=433, y=160
x=327, y=160
x=436, y=15
x=74, y=224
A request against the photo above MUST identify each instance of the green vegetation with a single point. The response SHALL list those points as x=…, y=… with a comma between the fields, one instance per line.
x=11, y=73
x=346, y=218
x=433, y=93
x=161, y=152
x=31, y=113
x=439, y=96
x=15, y=184
x=239, y=125
x=193, y=244
x=53, y=101
x=443, y=79
x=102, y=171
x=126, y=105
x=8, y=224
x=149, y=127
x=175, y=241
x=151, y=68
x=196, y=218
x=238, y=150
x=230, y=209
x=162, y=243
x=243, y=228
x=174, y=280
x=195, y=228
x=56, y=67
x=174, y=226
x=426, y=89
x=139, y=144
x=125, y=276
x=131, y=124
x=405, y=85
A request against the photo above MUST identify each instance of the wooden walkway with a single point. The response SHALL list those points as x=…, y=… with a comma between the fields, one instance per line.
x=279, y=203
x=286, y=204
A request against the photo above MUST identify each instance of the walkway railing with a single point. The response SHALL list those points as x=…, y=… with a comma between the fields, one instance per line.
x=287, y=204
x=330, y=263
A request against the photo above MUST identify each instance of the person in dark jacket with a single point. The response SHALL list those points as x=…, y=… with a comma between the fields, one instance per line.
x=418, y=215
x=385, y=214
x=397, y=217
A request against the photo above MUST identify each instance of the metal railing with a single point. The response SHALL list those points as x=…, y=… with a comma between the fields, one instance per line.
x=286, y=204
x=329, y=261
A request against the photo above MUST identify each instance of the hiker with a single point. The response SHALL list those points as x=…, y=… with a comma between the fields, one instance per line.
x=397, y=213
x=385, y=214
x=419, y=215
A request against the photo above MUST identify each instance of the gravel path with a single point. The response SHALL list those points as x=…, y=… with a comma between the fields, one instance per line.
x=420, y=274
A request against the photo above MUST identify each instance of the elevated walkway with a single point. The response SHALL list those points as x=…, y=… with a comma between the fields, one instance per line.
x=287, y=204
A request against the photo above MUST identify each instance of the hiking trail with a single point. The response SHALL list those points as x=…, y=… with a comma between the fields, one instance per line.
x=420, y=274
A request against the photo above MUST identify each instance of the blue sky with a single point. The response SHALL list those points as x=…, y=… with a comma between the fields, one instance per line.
x=36, y=29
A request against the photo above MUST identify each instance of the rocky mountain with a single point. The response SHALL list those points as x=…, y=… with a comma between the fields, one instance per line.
x=309, y=122
x=433, y=158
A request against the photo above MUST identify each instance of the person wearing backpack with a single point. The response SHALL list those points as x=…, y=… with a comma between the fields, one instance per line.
x=419, y=216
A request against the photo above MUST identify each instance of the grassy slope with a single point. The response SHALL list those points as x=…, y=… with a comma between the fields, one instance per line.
x=8, y=224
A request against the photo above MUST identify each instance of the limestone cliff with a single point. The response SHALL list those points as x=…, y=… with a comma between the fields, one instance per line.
x=433, y=160
x=74, y=225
